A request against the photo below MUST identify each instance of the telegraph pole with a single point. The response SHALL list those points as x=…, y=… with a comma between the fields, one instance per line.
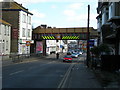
x=88, y=37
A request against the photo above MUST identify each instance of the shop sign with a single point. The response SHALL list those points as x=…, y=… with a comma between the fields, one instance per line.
x=39, y=47
x=15, y=33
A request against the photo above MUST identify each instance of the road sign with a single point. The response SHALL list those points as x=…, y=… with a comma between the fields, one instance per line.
x=28, y=43
x=58, y=36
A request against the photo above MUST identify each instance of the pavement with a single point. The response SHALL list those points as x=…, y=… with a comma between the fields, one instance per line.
x=9, y=61
x=108, y=79
x=27, y=59
x=82, y=77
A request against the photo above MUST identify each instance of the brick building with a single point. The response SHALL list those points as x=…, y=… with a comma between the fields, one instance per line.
x=20, y=19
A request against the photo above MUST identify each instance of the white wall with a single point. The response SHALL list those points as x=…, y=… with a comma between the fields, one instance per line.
x=111, y=10
x=53, y=43
x=24, y=23
x=0, y=39
x=99, y=24
x=5, y=39
x=104, y=17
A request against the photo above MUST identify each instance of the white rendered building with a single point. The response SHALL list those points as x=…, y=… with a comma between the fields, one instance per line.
x=5, y=38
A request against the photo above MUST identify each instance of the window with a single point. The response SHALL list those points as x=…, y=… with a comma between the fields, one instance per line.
x=3, y=46
x=8, y=30
x=0, y=28
x=24, y=18
x=29, y=20
x=107, y=15
x=111, y=10
x=7, y=45
x=28, y=32
x=23, y=32
x=0, y=46
x=5, y=30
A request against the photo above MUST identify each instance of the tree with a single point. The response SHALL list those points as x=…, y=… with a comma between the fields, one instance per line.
x=102, y=49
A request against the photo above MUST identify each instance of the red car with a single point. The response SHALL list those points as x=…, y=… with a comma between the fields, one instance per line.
x=67, y=58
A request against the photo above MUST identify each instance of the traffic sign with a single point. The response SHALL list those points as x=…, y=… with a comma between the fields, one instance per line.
x=28, y=43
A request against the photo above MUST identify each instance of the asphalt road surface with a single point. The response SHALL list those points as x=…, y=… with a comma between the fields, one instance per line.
x=48, y=72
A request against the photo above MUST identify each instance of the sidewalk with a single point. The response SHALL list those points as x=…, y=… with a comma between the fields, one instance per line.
x=108, y=79
x=82, y=77
x=27, y=59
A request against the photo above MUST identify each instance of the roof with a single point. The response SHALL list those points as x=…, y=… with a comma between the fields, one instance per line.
x=15, y=6
x=4, y=22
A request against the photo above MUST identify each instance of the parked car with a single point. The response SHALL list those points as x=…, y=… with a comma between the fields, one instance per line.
x=80, y=52
x=74, y=55
x=67, y=58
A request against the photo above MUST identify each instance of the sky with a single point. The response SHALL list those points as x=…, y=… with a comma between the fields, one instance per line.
x=61, y=13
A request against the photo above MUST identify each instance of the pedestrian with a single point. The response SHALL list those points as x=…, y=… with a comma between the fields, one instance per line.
x=57, y=55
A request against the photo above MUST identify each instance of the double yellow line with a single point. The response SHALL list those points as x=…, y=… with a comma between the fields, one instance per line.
x=65, y=78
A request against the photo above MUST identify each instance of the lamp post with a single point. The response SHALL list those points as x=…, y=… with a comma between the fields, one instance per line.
x=88, y=37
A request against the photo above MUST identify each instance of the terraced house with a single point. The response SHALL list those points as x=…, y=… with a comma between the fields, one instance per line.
x=109, y=24
x=5, y=38
x=20, y=19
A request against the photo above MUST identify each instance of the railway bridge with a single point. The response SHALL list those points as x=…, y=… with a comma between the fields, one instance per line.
x=76, y=33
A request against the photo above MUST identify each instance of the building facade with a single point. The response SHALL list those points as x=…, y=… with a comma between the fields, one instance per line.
x=20, y=19
x=55, y=47
x=109, y=25
x=5, y=38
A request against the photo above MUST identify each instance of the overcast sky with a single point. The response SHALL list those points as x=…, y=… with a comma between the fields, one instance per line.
x=61, y=13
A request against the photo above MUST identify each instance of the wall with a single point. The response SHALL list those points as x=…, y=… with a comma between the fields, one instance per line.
x=12, y=18
x=5, y=39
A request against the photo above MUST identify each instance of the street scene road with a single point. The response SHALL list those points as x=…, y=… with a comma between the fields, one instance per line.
x=56, y=44
x=49, y=72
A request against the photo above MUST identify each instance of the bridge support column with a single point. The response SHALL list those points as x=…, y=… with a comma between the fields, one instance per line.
x=44, y=47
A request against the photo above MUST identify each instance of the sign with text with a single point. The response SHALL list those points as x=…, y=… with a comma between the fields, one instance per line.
x=15, y=33
x=39, y=47
x=58, y=36
x=28, y=43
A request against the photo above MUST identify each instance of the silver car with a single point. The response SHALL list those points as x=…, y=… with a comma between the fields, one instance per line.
x=74, y=55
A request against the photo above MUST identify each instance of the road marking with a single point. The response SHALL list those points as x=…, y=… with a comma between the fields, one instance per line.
x=63, y=82
x=16, y=72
